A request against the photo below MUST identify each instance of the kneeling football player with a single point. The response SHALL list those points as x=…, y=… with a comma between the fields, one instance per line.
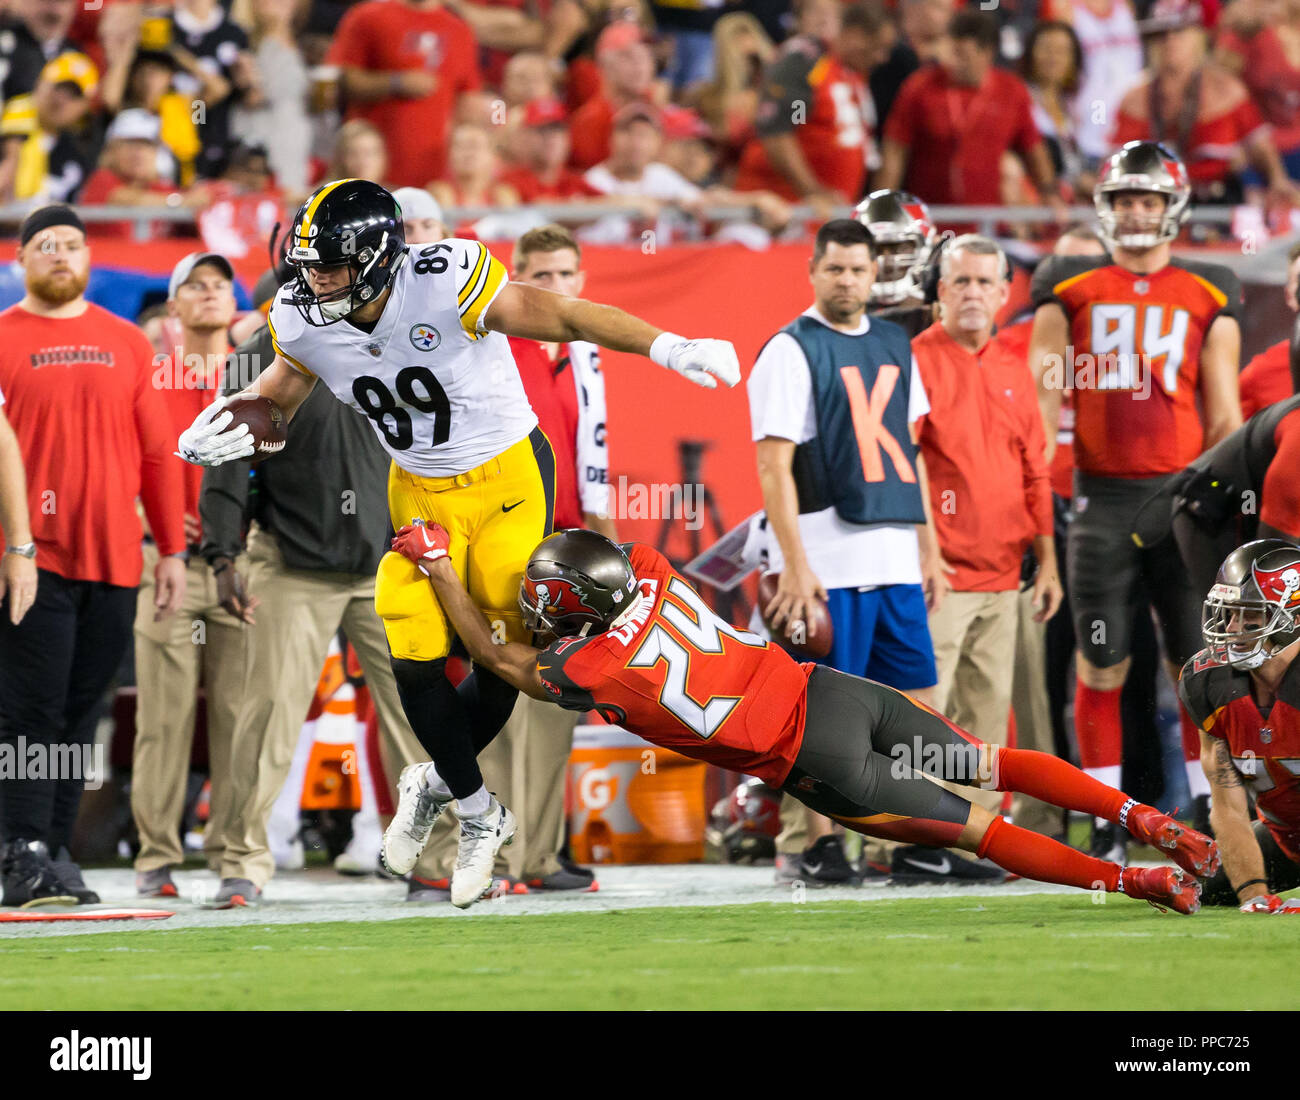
x=1243, y=691
x=634, y=641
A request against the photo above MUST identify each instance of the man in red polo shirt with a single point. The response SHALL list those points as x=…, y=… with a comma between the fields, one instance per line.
x=94, y=436
x=989, y=490
x=952, y=122
x=627, y=70
x=168, y=663
x=405, y=64
x=542, y=173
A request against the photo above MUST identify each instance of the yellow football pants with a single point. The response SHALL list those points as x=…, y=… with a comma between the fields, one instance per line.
x=496, y=514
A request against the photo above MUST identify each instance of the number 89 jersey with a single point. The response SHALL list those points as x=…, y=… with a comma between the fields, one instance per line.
x=1133, y=359
x=679, y=676
x=442, y=393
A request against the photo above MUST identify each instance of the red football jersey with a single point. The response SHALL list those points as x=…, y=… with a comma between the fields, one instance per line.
x=1134, y=358
x=1264, y=748
x=677, y=675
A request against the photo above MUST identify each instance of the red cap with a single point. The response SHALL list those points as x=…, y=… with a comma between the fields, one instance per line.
x=681, y=123
x=547, y=111
x=618, y=36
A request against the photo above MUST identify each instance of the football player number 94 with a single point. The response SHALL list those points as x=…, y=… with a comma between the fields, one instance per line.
x=378, y=402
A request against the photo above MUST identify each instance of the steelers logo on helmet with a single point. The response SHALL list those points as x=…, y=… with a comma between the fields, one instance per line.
x=1250, y=613
x=346, y=244
x=1142, y=167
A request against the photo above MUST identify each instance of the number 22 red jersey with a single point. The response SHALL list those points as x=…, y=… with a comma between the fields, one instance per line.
x=1134, y=358
x=677, y=675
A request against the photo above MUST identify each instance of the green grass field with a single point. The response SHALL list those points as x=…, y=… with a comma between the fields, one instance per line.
x=1030, y=952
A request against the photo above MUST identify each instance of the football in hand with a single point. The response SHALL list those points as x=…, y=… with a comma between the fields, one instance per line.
x=805, y=639
x=266, y=423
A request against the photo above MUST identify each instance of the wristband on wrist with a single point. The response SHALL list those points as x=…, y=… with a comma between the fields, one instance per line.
x=23, y=550
x=1250, y=882
x=664, y=345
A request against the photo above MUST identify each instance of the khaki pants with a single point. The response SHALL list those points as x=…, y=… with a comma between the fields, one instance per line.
x=525, y=765
x=300, y=611
x=974, y=636
x=200, y=638
x=1033, y=712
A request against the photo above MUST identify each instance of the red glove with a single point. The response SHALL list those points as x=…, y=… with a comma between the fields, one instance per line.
x=422, y=543
x=1264, y=903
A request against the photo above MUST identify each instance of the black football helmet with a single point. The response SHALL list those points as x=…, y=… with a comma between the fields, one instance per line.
x=576, y=582
x=353, y=222
x=1255, y=600
x=1142, y=166
x=903, y=230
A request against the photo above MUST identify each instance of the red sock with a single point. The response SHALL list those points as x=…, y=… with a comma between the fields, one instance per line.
x=1097, y=727
x=1051, y=779
x=1191, y=736
x=1035, y=856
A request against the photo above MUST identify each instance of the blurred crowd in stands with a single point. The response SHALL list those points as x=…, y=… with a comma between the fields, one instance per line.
x=237, y=111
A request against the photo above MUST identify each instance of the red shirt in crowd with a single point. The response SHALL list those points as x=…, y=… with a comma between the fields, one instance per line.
x=1274, y=83
x=186, y=390
x=389, y=36
x=531, y=187
x=810, y=94
x=955, y=135
x=590, y=128
x=94, y=434
x=1212, y=142
x=1280, y=493
x=1266, y=379
x=102, y=183
x=554, y=398
x=983, y=446
x=756, y=695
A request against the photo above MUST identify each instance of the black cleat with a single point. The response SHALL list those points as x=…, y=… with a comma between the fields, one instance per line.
x=30, y=878
x=70, y=875
x=915, y=865
x=823, y=864
x=1109, y=842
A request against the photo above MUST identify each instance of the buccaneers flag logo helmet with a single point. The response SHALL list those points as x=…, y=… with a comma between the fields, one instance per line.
x=1142, y=166
x=901, y=226
x=576, y=582
x=1255, y=600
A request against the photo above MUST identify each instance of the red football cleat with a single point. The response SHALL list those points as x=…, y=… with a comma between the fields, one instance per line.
x=1164, y=887
x=1194, y=852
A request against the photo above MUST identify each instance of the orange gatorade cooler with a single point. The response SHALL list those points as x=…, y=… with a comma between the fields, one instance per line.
x=633, y=802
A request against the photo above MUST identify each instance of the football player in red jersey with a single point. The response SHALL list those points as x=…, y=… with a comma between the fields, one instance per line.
x=1142, y=340
x=635, y=642
x=1243, y=692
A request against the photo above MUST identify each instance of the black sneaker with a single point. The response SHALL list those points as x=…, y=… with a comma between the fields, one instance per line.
x=564, y=879
x=30, y=878
x=914, y=865
x=823, y=864
x=1109, y=842
x=70, y=875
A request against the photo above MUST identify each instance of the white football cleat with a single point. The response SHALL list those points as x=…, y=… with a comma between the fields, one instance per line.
x=408, y=833
x=481, y=837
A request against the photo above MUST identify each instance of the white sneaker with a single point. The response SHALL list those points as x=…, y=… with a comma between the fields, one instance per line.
x=408, y=832
x=481, y=837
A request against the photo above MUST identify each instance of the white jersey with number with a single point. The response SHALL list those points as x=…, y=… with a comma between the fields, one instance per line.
x=442, y=393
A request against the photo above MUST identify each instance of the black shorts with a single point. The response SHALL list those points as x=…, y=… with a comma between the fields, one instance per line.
x=1109, y=574
x=1282, y=872
x=866, y=752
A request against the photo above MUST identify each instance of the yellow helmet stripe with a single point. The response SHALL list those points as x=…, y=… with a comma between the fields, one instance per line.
x=304, y=230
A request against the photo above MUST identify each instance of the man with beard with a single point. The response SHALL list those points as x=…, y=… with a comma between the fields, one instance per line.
x=93, y=434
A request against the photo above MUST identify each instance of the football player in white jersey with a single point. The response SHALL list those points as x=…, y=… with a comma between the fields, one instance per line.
x=415, y=340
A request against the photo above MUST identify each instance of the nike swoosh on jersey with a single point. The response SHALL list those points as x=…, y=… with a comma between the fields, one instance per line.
x=512, y=507
x=464, y=261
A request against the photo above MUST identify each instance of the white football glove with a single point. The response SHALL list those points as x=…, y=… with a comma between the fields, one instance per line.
x=704, y=362
x=208, y=441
